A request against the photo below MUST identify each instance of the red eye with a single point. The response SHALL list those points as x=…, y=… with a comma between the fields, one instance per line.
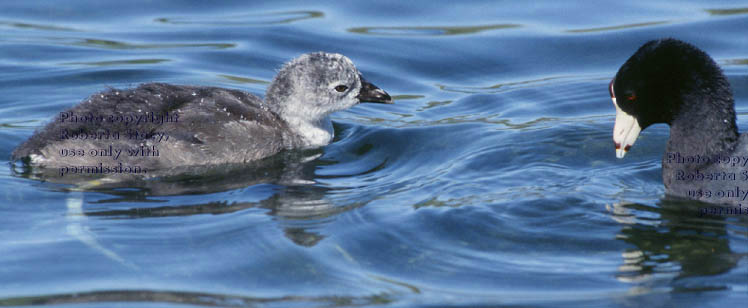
x=631, y=97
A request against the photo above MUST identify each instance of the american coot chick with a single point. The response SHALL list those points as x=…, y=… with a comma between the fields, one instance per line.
x=673, y=82
x=159, y=126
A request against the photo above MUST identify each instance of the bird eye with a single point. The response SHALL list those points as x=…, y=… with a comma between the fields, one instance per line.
x=341, y=88
x=631, y=97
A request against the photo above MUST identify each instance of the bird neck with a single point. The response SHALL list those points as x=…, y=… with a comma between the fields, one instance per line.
x=313, y=133
x=706, y=127
x=313, y=128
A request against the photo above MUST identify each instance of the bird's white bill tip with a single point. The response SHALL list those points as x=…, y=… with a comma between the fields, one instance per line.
x=625, y=131
x=620, y=153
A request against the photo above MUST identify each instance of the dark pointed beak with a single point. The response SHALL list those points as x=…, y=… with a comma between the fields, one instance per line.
x=372, y=94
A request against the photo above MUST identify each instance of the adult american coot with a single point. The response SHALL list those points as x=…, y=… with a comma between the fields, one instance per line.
x=158, y=126
x=673, y=82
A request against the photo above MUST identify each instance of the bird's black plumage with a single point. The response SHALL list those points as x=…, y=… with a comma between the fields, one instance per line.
x=673, y=82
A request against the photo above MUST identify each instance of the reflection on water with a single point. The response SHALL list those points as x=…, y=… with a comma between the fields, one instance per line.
x=401, y=97
x=735, y=11
x=194, y=298
x=119, y=62
x=285, y=168
x=430, y=30
x=671, y=242
x=272, y=18
x=506, y=86
x=299, y=204
x=110, y=44
x=299, y=210
x=19, y=124
x=237, y=79
x=40, y=27
x=733, y=62
x=619, y=27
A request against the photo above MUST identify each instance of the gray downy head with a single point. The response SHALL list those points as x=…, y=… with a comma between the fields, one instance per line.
x=311, y=87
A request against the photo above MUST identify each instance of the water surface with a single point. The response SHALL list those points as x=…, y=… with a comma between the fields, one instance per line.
x=491, y=181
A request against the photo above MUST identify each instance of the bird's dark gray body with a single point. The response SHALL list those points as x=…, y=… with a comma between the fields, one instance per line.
x=208, y=126
x=673, y=82
x=159, y=126
x=719, y=177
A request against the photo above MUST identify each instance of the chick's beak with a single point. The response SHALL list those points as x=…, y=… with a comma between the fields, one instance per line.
x=372, y=94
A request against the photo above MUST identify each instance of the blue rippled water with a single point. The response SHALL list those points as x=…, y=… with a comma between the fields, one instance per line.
x=492, y=180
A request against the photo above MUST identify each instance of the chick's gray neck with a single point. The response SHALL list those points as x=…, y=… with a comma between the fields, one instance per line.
x=312, y=133
x=312, y=128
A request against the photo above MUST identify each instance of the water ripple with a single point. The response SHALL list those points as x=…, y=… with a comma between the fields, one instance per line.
x=735, y=11
x=110, y=44
x=485, y=184
x=619, y=27
x=512, y=85
x=729, y=62
x=262, y=19
x=430, y=30
x=37, y=27
x=192, y=298
x=119, y=62
x=237, y=79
